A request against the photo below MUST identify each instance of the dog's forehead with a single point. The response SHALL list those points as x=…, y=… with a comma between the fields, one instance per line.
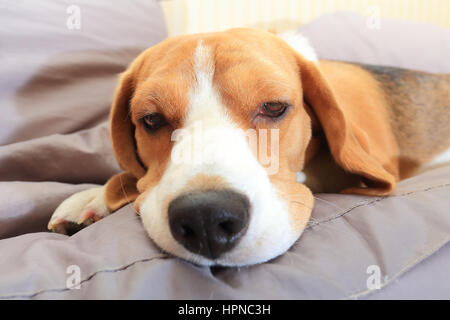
x=228, y=50
x=244, y=67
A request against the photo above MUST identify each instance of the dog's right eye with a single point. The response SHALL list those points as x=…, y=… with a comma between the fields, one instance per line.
x=154, y=121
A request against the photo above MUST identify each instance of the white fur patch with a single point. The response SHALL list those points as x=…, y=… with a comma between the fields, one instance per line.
x=300, y=44
x=269, y=233
x=441, y=159
x=74, y=208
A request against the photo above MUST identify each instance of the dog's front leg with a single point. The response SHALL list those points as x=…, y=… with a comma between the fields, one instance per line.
x=79, y=210
x=88, y=206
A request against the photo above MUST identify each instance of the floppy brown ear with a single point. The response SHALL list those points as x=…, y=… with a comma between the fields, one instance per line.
x=122, y=129
x=121, y=188
x=368, y=151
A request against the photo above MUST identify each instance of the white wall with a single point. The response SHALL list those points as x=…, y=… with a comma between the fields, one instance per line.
x=191, y=16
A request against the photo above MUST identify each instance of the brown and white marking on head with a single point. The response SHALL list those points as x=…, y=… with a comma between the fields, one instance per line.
x=220, y=139
x=301, y=44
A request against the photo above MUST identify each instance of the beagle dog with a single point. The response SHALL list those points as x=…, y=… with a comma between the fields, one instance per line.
x=223, y=138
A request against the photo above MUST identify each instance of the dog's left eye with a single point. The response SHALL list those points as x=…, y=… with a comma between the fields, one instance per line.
x=154, y=121
x=273, y=109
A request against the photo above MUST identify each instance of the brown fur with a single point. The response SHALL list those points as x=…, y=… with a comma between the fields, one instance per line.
x=120, y=190
x=345, y=105
x=353, y=115
x=419, y=113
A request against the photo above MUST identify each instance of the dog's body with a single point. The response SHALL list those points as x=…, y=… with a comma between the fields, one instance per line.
x=347, y=127
x=419, y=115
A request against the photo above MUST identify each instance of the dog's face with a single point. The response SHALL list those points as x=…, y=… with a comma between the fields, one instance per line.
x=215, y=128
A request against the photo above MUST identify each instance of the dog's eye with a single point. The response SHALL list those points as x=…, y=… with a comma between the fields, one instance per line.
x=273, y=109
x=154, y=121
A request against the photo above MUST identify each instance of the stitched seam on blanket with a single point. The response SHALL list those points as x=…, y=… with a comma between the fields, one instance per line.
x=399, y=273
x=32, y=295
x=369, y=202
x=359, y=205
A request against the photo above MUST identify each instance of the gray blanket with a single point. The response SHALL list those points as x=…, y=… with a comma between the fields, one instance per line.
x=346, y=235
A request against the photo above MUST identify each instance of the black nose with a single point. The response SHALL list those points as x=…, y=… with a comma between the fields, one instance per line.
x=210, y=222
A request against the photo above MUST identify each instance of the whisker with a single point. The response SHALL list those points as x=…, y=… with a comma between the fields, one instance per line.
x=329, y=203
x=313, y=220
x=299, y=202
x=125, y=194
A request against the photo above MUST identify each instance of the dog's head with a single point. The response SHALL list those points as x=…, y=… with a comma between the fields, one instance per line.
x=215, y=127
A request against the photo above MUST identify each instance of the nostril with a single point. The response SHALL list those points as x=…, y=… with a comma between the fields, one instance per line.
x=227, y=227
x=186, y=231
x=230, y=227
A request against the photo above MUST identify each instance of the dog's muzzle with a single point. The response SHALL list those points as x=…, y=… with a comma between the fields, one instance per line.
x=209, y=223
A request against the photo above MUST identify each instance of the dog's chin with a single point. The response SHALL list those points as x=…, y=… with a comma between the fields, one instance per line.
x=231, y=260
x=239, y=257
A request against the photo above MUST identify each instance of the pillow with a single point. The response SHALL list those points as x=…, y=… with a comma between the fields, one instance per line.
x=403, y=44
x=56, y=78
x=56, y=88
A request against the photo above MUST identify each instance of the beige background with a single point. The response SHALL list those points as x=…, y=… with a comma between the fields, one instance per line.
x=191, y=16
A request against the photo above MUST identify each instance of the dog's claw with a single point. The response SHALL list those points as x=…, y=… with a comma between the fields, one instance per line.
x=88, y=217
x=66, y=227
x=79, y=211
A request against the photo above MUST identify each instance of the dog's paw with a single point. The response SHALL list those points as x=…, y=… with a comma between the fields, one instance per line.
x=78, y=211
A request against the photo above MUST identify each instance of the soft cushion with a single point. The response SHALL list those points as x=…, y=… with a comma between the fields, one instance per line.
x=56, y=86
x=55, y=78
x=412, y=45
